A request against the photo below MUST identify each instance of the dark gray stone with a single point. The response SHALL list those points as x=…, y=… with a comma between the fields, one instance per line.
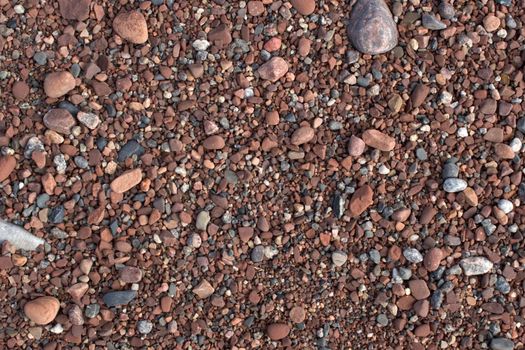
x=257, y=254
x=118, y=298
x=429, y=21
x=132, y=147
x=56, y=215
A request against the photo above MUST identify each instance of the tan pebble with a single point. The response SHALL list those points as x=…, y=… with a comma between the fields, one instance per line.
x=58, y=84
x=377, y=139
x=126, y=181
x=42, y=310
x=302, y=135
x=7, y=165
x=470, y=197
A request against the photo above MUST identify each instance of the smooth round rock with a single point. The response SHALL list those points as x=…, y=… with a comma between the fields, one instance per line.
x=58, y=84
x=432, y=259
x=131, y=26
x=130, y=274
x=501, y=344
x=20, y=90
x=378, y=140
x=126, y=181
x=297, y=314
x=74, y=9
x=42, y=310
x=214, y=142
x=453, y=185
x=371, y=27
x=356, y=146
x=304, y=7
x=302, y=135
x=278, y=331
x=274, y=69
x=59, y=120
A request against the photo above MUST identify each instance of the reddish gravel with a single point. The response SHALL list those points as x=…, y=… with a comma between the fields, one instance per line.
x=296, y=174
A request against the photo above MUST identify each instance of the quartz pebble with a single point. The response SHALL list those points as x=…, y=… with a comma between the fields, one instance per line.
x=476, y=265
x=413, y=255
x=339, y=258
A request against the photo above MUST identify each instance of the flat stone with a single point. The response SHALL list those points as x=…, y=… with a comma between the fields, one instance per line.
x=419, y=95
x=131, y=26
x=59, y=120
x=74, y=9
x=476, y=265
x=501, y=344
x=278, y=331
x=214, y=142
x=494, y=135
x=7, y=165
x=432, y=259
x=58, y=84
x=430, y=21
x=377, y=139
x=413, y=255
x=361, y=199
x=203, y=290
x=78, y=290
x=42, y=310
x=255, y=8
x=450, y=170
x=274, y=69
x=302, y=135
x=504, y=151
x=297, y=314
x=453, y=185
x=491, y=23
x=304, y=7
x=19, y=237
x=220, y=35
x=130, y=274
x=470, y=196
x=371, y=27
x=126, y=181
x=119, y=298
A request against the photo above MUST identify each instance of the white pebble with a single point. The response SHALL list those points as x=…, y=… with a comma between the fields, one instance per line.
x=19, y=9
x=201, y=45
x=516, y=145
x=383, y=170
x=462, y=132
x=505, y=205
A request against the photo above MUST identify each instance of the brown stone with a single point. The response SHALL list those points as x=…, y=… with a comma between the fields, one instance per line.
x=494, y=135
x=59, y=120
x=297, y=314
x=214, y=143
x=7, y=165
x=74, y=9
x=470, y=197
x=221, y=35
x=203, y=289
x=278, y=331
x=302, y=135
x=130, y=274
x=255, y=8
x=272, y=118
x=491, y=23
x=356, y=146
x=58, y=84
x=49, y=183
x=419, y=289
x=432, y=259
x=377, y=139
x=131, y=26
x=504, y=151
x=304, y=7
x=42, y=310
x=419, y=95
x=371, y=27
x=20, y=90
x=422, y=330
x=401, y=215
x=274, y=69
x=422, y=307
x=361, y=200
x=126, y=181
x=78, y=290
x=489, y=106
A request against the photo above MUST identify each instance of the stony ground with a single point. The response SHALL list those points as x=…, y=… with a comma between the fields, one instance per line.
x=262, y=174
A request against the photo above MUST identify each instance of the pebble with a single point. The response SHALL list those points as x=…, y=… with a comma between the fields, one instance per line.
x=119, y=298
x=419, y=289
x=520, y=125
x=40, y=58
x=302, y=135
x=453, y=185
x=413, y=255
x=339, y=258
x=255, y=8
x=92, y=310
x=131, y=26
x=75, y=315
x=470, y=197
x=203, y=290
x=126, y=181
x=430, y=21
x=257, y=254
x=356, y=146
x=19, y=237
x=505, y=205
x=130, y=274
x=20, y=90
x=90, y=120
x=371, y=27
x=450, y=170
x=214, y=142
x=201, y=44
x=446, y=10
x=7, y=165
x=297, y=314
x=419, y=95
x=132, y=147
x=501, y=344
x=58, y=84
x=278, y=331
x=433, y=259
x=220, y=35
x=59, y=120
x=491, y=23
x=476, y=265
x=144, y=326
x=382, y=319
x=377, y=139
x=304, y=7
x=202, y=221
x=361, y=199
x=274, y=69
x=42, y=310
x=504, y=151
x=74, y=9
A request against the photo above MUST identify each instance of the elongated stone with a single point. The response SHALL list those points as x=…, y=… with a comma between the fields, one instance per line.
x=371, y=28
x=18, y=237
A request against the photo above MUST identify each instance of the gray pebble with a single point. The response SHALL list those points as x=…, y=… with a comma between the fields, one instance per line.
x=405, y=273
x=446, y=10
x=81, y=162
x=382, y=320
x=505, y=205
x=429, y=21
x=203, y=218
x=75, y=70
x=144, y=326
x=117, y=298
x=56, y=215
x=92, y=310
x=132, y=147
x=413, y=255
x=502, y=285
x=521, y=125
x=421, y=154
x=33, y=144
x=501, y=344
x=40, y=58
x=41, y=200
x=375, y=256
x=339, y=258
x=257, y=254
x=453, y=185
x=450, y=170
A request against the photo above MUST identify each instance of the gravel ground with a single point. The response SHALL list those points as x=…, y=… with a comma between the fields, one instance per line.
x=262, y=174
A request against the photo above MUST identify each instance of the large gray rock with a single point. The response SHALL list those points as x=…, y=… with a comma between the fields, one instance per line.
x=371, y=28
x=18, y=237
